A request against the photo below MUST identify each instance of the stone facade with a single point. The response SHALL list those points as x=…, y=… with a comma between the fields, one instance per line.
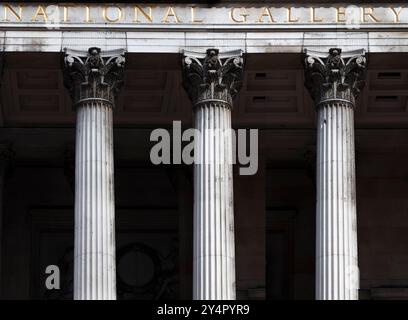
x=322, y=218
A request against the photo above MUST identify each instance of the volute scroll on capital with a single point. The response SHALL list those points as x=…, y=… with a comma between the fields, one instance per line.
x=94, y=75
x=212, y=77
x=335, y=77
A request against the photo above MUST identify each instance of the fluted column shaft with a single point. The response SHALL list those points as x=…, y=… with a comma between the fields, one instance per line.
x=337, y=275
x=211, y=81
x=214, y=250
x=334, y=81
x=94, y=268
x=94, y=79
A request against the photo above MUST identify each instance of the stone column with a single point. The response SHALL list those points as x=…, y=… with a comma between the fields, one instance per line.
x=334, y=80
x=94, y=79
x=211, y=81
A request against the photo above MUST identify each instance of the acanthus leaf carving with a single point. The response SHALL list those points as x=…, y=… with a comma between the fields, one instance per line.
x=94, y=74
x=212, y=76
x=336, y=76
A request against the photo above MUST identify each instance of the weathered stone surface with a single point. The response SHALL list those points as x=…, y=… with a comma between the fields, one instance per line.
x=94, y=75
x=212, y=80
x=334, y=82
x=93, y=80
x=336, y=76
x=212, y=77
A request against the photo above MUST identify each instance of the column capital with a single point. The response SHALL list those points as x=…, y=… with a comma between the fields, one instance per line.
x=335, y=76
x=212, y=76
x=94, y=75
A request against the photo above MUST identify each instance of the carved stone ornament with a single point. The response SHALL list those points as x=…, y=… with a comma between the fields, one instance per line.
x=337, y=77
x=212, y=77
x=94, y=75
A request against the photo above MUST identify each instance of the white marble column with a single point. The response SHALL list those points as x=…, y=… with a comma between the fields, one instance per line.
x=93, y=79
x=335, y=80
x=212, y=80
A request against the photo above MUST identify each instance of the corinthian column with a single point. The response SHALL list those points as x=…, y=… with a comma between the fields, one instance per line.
x=93, y=79
x=334, y=81
x=211, y=81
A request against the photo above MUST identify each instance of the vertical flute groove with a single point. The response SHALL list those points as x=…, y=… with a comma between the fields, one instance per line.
x=334, y=80
x=95, y=270
x=213, y=260
x=93, y=80
x=211, y=82
x=336, y=247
